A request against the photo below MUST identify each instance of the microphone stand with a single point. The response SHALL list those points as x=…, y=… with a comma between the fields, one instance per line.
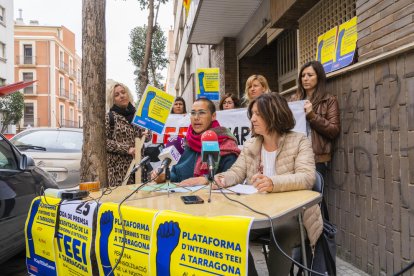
x=210, y=176
x=167, y=179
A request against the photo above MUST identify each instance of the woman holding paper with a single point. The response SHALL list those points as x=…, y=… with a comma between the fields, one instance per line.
x=322, y=112
x=276, y=160
x=120, y=133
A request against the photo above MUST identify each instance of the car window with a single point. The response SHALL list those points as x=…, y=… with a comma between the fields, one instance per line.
x=52, y=140
x=7, y=158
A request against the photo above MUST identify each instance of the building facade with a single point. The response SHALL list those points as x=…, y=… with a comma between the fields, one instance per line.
x=370, y=180
x=6, y=42
x=47, y=54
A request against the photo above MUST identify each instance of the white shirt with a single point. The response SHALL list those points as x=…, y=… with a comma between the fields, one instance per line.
x=269, y=162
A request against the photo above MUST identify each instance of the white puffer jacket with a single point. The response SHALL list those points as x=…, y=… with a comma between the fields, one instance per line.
x=295, y=170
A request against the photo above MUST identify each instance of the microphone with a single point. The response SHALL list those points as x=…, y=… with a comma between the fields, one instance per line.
x=171, y=154
x=144, y=161
x=210, y=150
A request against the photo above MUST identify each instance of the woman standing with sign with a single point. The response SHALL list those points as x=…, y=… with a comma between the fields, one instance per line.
x=120, y=133
x=322, y=112
x=276, y=160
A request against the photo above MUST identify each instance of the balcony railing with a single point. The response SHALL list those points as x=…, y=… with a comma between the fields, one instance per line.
x=72, y=74
x=26, y=60
x=79, y=104
x=63, y=93
x=69, y=123
x=72, y=97
x=63, y=66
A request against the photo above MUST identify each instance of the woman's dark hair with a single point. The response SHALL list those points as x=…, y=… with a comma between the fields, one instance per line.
x=179, y=99
x=320, y=86
x=274, y=110
x=234, y=99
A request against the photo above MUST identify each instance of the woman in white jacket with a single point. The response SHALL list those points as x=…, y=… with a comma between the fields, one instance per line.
x=276, y=160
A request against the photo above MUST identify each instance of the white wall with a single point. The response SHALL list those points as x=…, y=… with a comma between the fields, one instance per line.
x=6, y=36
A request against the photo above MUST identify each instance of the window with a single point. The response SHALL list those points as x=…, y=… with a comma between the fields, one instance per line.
x=62, y=115
x=2, y=50
x=27, y=54
x=62, y=91
x=28, y=114
x=2, y=15
x=71, y=94
x=286, y=56
x=7, y=157
x=61, y=60
x=2, y=81
x=28, y=76
x=71, y=118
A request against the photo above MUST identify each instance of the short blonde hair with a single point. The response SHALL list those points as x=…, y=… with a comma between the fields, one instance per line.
x=263, y=82
x=110, y=89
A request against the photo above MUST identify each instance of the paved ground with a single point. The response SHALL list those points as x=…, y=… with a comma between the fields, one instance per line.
x=16, y=266
x=342, y=268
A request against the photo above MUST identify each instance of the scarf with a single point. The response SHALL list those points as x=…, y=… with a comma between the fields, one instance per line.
x=227, y=143
x=127, y=112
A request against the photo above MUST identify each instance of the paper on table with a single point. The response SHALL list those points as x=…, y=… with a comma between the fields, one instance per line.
x=240, y=188
x=173, y=188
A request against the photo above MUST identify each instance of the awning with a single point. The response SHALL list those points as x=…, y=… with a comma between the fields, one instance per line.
x=216, y=19
x=11, y=88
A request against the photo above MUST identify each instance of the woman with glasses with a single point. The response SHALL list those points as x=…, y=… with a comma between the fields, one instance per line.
x=276, y=160
x=190, y=170
x=229, y=101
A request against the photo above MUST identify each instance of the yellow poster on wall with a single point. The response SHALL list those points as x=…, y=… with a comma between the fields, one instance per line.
x=208, y=83
x=132, y=241
x=187, y=245
x=40, y=233
x=345, y=44
x=186, y=4
x=326, y=48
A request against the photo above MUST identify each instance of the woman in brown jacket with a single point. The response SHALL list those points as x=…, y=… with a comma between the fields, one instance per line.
x=322, y=112
x=276, y=160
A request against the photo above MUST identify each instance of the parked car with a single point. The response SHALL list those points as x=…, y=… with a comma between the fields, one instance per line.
x=56, y=150
x=20, y=182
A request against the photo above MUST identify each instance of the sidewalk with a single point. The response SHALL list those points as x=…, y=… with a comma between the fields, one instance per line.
x=342, y=268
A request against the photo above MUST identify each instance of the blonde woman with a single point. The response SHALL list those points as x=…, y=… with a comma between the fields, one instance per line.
x=256, y=85
x=120, y=133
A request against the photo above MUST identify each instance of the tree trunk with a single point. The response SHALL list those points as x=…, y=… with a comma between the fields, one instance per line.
x=143, y=74
x=93, y=164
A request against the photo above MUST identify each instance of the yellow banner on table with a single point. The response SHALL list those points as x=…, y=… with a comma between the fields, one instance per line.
x=208, y=83
x=153, y=109
x=74, y=236
x=135, y=240
x=187, y=245
x=326, y=48
x=40, y=233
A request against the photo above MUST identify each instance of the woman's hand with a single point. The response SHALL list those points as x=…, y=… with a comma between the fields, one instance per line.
x=194, y=181
x=262, y=183
x=160, y=178
x=220, y=182
x=308, y=107
x=131, y=151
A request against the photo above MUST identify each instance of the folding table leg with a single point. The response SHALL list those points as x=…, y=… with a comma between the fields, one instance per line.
x=303, y=244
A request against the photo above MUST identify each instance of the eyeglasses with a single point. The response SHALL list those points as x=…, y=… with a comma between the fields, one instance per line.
x=201, y=113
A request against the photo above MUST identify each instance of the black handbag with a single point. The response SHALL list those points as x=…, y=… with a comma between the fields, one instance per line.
x=324, y=258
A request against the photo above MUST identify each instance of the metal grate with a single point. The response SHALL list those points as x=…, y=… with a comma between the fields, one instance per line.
x=322, y=17
x=286, y=59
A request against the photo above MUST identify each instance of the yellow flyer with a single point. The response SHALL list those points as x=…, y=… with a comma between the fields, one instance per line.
x=326, y=48
x=135, y=240
x=40, y=232
x=346, y=44
x=153, y=109
x=208, y=83
x=187, y=245
x=73, y=238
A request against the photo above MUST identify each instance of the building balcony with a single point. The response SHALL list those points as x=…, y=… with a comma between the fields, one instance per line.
x=79, y=105
x=69, y=123
x=72, y=75
x=63, y=67
x=72, y=97
x=63, y=93
x=26, y=61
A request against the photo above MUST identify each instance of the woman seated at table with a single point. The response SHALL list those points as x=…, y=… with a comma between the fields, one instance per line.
x=276, y=160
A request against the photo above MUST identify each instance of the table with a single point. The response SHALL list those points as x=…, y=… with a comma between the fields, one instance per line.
x=279, y=206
